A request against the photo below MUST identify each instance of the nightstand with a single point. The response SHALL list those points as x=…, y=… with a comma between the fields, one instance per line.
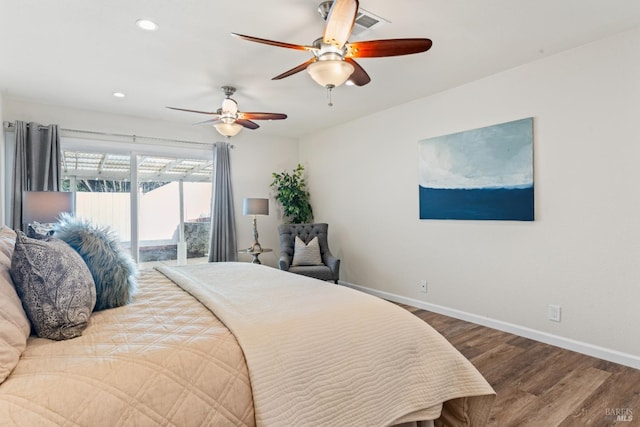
x=255, y=254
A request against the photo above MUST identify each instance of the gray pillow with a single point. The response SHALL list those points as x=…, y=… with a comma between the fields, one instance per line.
x=39, y=231
x=113, y=270
x=54, y=285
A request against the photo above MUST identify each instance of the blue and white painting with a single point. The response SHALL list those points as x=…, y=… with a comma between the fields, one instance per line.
x=479, y=174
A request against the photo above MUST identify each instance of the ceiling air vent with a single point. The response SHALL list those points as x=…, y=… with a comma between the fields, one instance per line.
x=365, y=21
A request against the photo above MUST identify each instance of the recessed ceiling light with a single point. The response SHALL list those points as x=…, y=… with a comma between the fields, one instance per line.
x=145, y=24
x=119, y=94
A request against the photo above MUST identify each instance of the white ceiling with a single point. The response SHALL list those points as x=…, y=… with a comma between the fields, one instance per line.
x=76, y=53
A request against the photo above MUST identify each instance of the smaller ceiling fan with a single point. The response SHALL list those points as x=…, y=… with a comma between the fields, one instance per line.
x=332, y=63
x=228, y=121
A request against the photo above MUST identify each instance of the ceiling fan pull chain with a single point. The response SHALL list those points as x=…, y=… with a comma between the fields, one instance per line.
x=329, y=89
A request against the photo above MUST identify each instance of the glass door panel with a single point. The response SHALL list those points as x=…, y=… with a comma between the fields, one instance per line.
x=162, y=181
x=102, y=186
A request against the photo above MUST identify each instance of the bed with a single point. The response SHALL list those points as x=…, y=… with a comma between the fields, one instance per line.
x=280, y=350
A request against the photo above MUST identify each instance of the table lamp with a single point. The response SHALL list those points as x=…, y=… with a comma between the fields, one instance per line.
x=251, y=206
x=45, y=207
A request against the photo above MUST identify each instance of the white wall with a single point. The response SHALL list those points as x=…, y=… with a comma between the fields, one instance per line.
x=254, y=157
x=583, y=250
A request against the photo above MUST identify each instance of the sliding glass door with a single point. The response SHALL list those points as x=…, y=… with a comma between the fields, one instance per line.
x=168, y=215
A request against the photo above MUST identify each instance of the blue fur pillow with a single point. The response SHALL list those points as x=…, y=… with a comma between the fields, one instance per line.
x=113, y=270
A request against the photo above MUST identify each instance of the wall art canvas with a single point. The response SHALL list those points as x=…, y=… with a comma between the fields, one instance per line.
x=479, y=174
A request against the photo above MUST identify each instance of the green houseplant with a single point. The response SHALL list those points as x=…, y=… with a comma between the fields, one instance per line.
x=291, y=191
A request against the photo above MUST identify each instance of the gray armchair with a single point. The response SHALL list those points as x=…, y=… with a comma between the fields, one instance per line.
x=330, y=268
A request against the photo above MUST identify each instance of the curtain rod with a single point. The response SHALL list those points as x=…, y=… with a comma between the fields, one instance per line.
x=10, y=126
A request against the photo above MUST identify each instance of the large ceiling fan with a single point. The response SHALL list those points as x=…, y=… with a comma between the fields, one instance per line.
x=332, y=63
x=228, y=120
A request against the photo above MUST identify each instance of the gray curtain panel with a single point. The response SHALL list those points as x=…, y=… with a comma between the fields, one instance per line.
x=223, y=224
x=37, y=163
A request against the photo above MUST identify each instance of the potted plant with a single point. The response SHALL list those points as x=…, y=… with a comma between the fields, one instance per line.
x=291, y=192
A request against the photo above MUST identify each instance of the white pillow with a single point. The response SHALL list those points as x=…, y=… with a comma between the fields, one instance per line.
x=306, y=254
x=14, y=324
x=7, y=243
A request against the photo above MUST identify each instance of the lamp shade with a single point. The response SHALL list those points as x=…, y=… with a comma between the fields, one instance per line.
x=255, y=206
x=228, y=129
x=46, y=206
x=331, y=73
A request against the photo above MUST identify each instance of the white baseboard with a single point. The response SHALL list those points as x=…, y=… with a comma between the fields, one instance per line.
x=558, y=341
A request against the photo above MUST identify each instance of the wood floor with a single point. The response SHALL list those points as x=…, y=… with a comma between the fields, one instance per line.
x=542, y=385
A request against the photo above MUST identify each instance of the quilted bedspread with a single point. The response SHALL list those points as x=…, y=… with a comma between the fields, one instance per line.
x=320, y=354
x=165, y=359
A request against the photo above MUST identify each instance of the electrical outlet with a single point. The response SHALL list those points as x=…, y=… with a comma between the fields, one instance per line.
x=554, y=312
x=423, y=286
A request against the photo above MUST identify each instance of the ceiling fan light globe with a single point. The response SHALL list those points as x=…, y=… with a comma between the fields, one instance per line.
x=229, y=107
x=332, y=72
x=228, y=129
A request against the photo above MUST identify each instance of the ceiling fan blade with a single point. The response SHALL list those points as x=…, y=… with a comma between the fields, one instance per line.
x=193, y=111
x=247, y=123
x=262, y=116
x=389, y=47
x=295, y=69
x=275, y=43
x=359, y=77
x=207, y=121
x=340, y=22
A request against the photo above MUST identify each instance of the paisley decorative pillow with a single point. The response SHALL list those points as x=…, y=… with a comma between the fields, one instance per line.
x=55, y=286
